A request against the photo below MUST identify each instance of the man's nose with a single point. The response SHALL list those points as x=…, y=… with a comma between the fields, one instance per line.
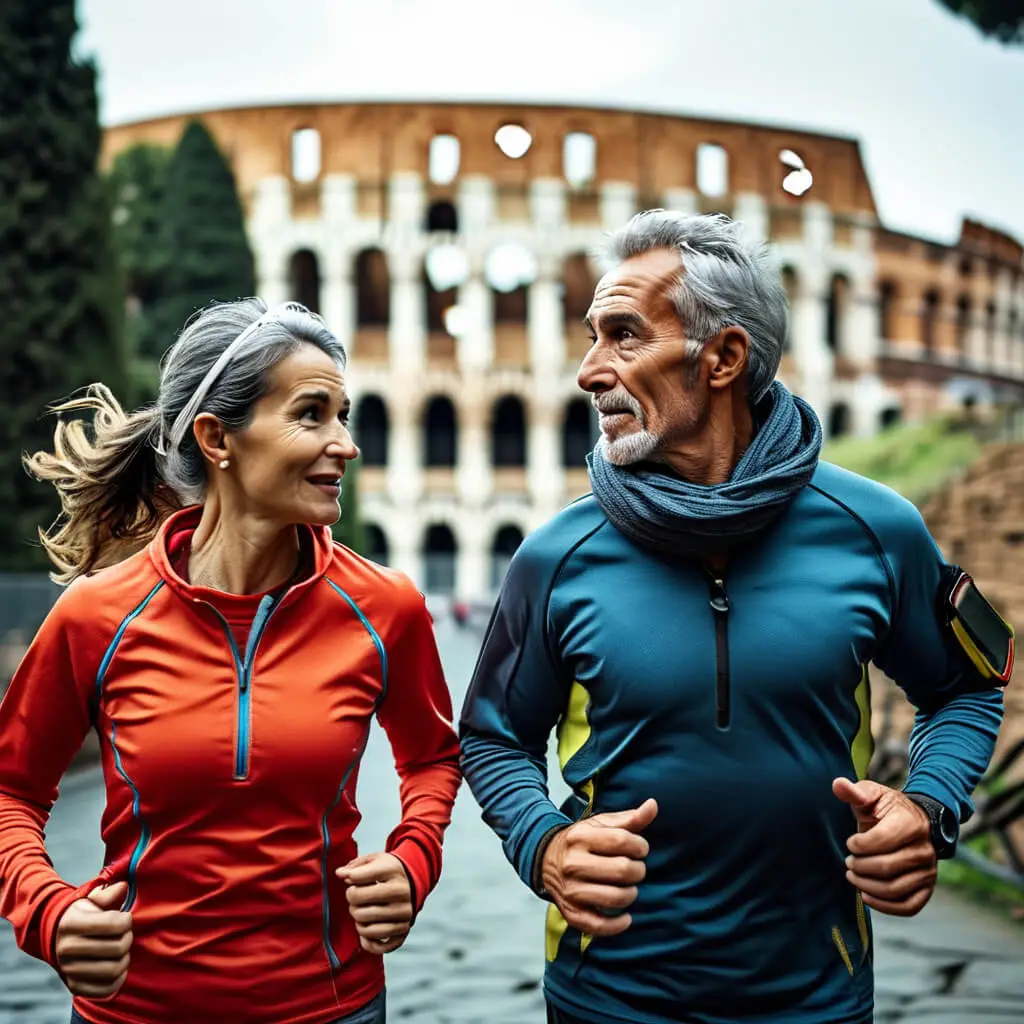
x=595, y=375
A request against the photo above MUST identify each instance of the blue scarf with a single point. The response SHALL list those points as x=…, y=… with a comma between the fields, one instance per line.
x=666, y=514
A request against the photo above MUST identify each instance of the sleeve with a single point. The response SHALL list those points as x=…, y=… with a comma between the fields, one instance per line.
x=416, y=714
x=518, y=692
x=958, y=712
x=44, y=717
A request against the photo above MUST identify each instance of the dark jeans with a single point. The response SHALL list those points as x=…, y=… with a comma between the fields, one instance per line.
x=374, y=1012
x=556, y=1016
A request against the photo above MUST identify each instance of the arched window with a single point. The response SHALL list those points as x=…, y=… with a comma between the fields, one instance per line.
x=305, y=155
x=440, y=432
x=304, y=279
x=442, y=217
x=891, y=417
x=511, y=307
x=963, y=324
x=577, y=289
x=712, y=170
x=839, y=420
x=506, y=541
x=929, y=320
x=443, y=159
x=577, y=433
x=508, y=433
x=837, y=306
x=376, y=544
x=373, y=297
x=371, y=430
x=579, y=159
x=886, y=310
x=439, y=551
x=990, y=330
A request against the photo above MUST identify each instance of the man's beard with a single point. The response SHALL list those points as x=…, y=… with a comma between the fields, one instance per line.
x=630, y=448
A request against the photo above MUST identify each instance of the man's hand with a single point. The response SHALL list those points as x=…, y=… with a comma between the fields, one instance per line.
x=892, y=859
x=592, y=868
x=93, y=940
x=379, y=900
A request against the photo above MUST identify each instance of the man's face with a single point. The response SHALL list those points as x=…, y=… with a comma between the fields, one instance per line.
x=636, y=370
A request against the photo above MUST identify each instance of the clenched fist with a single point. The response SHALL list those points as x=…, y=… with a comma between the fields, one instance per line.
x=379, y=900
x=592, y=869
x=93, y=942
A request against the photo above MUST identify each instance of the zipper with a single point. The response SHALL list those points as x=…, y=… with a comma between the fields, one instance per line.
x=243, y=670
x=719, y=601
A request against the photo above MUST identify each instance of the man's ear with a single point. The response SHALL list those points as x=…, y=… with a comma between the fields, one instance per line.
x=211, y=438
x=726, y=355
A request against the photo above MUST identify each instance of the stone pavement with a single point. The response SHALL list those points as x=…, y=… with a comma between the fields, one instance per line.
x=955, y=963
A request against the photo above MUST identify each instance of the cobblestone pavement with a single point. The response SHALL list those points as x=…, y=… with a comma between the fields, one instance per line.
x=475, y=955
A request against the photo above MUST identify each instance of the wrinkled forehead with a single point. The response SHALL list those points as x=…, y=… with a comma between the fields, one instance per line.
x=642, y=282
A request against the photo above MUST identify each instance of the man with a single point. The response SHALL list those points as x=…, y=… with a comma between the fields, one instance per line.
x=699, y=628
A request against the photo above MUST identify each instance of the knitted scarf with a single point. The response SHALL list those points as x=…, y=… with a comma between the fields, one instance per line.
x=663, y=513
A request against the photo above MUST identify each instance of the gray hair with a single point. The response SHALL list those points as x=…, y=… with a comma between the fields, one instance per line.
x=727, y=279
x=232, y=392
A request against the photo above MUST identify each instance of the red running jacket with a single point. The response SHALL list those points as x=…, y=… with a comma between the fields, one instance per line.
x=230, y=777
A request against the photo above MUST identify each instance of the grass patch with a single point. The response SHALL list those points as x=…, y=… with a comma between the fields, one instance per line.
x=915, y=459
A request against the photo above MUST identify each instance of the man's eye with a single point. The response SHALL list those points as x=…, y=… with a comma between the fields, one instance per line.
x=592, y=338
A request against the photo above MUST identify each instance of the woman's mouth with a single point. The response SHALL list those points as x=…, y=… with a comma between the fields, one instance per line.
x=329, y=484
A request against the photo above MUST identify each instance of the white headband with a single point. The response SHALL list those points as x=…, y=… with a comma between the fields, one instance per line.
x=190, y=411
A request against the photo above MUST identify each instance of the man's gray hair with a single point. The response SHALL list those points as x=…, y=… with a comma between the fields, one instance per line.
x=728, y=279
x=233, y=393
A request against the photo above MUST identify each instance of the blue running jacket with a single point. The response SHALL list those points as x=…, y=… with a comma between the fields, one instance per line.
x=734, y=704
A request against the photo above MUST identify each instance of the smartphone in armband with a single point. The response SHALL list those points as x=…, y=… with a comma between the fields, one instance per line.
x=985, y=636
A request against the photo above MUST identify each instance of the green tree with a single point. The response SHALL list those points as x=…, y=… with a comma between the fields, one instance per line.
x=136, y=186
x=1003, y=19
x=349, y=528
x=59, y=290
x=201, y=237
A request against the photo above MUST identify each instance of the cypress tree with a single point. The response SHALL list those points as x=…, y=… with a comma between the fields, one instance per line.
x=201, y=237
x=59, y=290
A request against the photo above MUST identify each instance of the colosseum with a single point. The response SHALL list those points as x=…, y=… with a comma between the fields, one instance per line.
x=448, y=246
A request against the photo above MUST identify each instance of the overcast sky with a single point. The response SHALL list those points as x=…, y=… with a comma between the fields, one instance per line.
x=938, y=110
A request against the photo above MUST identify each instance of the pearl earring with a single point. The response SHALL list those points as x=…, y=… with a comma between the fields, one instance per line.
x=224, y=463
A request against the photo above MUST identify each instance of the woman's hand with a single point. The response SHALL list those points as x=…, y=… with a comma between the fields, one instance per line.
x=379, y=900
x=93, y=940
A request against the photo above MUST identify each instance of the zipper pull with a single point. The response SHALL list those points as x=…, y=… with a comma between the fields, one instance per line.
x=719, y=599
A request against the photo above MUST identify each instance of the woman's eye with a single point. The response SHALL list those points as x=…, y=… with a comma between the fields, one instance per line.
x=312, y=413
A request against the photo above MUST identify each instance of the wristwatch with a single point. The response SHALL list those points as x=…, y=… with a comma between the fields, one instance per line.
x=943, y=824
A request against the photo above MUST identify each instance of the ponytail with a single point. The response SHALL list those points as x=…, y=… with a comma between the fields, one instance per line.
x=112, y=497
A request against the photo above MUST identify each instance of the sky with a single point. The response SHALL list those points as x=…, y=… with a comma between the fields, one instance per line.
x=939, y=110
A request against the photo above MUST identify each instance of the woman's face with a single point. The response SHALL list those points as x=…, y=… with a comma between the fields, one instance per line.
x=289, y=461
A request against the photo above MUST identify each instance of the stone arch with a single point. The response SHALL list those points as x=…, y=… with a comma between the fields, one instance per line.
x=508, y=432
x=504, y=544
x=304, y=279
x=371, y=430
x=440, y=432
x=577, y=433
x=373, y=288
x=377, y=547
x=440, y=552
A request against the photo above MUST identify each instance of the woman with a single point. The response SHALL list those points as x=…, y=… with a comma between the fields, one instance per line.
x=231, y=667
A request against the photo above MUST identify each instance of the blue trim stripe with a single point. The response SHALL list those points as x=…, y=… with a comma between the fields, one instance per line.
x=373, y=636
x=144, y=834
x=109, y=655
x=326, y=834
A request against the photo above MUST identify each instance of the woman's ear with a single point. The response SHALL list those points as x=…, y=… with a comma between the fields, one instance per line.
x=211, y=438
